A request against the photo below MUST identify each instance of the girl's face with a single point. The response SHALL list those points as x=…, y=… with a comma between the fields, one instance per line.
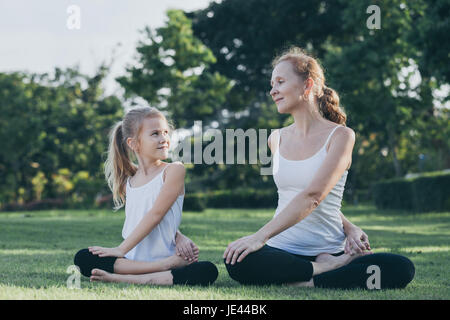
x=154, y=140
x=287, y=87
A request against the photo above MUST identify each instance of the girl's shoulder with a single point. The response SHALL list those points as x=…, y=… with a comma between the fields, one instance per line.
x=175, y=169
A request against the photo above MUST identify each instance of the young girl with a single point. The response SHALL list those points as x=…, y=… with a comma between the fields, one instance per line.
x=154, y=251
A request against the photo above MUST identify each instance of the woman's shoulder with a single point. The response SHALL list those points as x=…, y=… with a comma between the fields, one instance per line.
x=344, y=133
x=273, y=136
x=342, y=136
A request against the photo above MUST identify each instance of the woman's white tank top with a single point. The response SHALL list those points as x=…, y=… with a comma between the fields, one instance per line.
x=322, y=230
x=160, y=243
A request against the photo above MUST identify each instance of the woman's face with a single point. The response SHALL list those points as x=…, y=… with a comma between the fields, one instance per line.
x=287, y=87
x=154, y=139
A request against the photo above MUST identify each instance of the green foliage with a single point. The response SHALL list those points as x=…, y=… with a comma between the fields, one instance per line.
x=236, y=198
x=194, y=202
x=423, y=193
x=54, y=132
x=214, y=65
x=173, y=73
x=372, y=71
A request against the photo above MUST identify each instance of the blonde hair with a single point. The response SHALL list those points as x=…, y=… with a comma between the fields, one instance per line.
x=118, y=165
x=306, y=67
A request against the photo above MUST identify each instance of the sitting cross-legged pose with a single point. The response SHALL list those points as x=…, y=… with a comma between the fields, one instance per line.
x=309, y=242
x=153, y=251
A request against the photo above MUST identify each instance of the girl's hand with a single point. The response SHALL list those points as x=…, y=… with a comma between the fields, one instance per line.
x=186, y=248
x=357, y=241
x=239, y=249
x=106, y=252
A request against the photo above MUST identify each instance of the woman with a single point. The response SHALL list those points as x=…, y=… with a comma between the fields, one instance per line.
x=304, y=243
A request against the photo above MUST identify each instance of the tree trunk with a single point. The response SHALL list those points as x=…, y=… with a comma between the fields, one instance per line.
x=393, y=148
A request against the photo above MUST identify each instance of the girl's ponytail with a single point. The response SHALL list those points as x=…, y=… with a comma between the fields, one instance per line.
x=118, y=165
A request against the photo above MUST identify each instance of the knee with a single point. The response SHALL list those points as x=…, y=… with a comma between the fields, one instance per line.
x=202, y=273
x=236, y=271
x=210, y=272
x=83, y=259
x=398, y=271
x=406, y=271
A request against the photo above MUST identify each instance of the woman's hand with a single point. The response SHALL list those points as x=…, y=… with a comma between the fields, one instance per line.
x=239, y=249
x=357, y=241
x=186, y=248
x=106, y=252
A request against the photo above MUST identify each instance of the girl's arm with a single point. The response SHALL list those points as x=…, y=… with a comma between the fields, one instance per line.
x=171, y=189
x=185, y=247
x=336, y=162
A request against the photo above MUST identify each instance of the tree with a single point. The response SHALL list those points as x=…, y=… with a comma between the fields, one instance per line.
x=173, y=72
x=372, y=70
x=54, y=130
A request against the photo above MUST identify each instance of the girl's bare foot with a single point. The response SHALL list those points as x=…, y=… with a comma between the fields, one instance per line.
x=157, y=278
x=175, y=261
x=103, y=276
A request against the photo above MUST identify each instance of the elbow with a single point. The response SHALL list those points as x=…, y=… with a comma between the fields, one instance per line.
x=314, y=198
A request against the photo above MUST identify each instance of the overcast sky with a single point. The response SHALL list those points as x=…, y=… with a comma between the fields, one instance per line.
x=34, y=36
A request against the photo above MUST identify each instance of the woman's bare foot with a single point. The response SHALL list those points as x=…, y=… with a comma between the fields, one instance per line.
x=305, y=284
x=327, y=262
x=323, y=257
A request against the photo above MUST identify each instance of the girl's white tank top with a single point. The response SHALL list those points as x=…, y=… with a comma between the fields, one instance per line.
x=160, y=243
x=322, y=230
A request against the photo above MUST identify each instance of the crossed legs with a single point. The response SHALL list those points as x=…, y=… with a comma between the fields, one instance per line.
x=168, y=271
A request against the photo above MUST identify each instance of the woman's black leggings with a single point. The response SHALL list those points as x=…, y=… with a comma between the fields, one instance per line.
x=274, y=266
x=198, y=273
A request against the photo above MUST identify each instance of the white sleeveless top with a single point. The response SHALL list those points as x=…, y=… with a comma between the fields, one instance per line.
x=322, y=230
x=160, y=243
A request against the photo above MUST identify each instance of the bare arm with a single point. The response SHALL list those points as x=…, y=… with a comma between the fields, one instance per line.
x=336, y=162
x=172, y=187
x=346, y=223
x=170, y=191
x=357, y=240
x=332, y=169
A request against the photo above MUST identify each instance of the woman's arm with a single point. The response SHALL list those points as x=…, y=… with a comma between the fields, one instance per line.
x=336, y=162
x=357, y=240
x=171, y=189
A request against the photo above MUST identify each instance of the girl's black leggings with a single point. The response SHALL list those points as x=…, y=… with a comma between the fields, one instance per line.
x=274, y=266
x=198, y=273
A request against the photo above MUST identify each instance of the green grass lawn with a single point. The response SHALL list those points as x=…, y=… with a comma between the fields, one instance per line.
x=36, y=248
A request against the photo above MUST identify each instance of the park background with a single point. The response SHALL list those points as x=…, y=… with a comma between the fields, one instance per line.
x=62, y=88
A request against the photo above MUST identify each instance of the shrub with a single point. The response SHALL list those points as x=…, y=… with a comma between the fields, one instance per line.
x=194, y=202
x=422, y=193
x=237, y=198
